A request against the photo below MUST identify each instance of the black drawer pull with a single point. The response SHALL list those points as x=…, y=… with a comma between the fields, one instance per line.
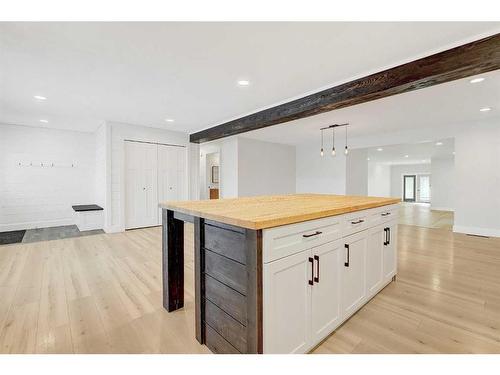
x=311, y=282
x=312, y=234
x=388, y=236
x=348, y=255
x=316, y=278
x=358, y=222
x=386, y=214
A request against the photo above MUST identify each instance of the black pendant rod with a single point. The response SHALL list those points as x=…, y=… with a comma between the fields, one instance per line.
x=334, y=126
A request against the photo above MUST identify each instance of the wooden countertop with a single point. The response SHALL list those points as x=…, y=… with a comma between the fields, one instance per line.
x=274, y=210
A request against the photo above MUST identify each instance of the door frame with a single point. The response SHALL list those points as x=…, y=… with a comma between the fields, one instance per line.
x=414, y=188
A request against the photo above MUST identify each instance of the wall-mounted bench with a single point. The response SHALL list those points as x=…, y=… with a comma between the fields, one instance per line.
x=89, y=216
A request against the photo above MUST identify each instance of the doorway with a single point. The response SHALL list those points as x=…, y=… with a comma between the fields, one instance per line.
x=409, y=188
x=210, y=172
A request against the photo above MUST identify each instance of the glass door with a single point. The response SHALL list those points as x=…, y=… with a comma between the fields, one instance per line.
x=409, y=188
x=424, y=188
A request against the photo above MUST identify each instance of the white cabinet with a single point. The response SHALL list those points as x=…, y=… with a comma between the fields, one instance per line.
x=309, y=292
x=325, y=304
x=375, y=259
x=390, y=249
x=353, y=273
x=302, y=299
x=287, y=301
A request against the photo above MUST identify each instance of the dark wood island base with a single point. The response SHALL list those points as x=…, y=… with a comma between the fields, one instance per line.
x=228, y=281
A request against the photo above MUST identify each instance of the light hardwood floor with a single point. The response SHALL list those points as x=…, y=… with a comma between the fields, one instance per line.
x=102, y=294
x=421, y=215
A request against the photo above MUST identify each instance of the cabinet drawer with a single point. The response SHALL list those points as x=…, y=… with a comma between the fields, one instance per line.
x=290, y=239
x=356, y=221
x=384, y=214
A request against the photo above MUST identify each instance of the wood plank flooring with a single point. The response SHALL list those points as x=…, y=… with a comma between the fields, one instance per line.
x=102, y=294
x=421, y=215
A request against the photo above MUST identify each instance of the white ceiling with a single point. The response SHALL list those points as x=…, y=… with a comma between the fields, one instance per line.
x=143, y=73
x=417, y=153
x=442, y=106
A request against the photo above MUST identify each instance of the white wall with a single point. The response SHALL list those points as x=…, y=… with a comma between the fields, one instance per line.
x=379, y=179
x=229, y=168
x=477, y=181
x=316, y=174
x=357, y=172
x=34, y=196
x=397, y=172
x=118, y=133
x=443, y=184
x=265, y=168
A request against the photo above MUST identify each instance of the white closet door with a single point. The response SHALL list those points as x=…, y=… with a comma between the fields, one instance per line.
x=141, y=186
x=171, y=174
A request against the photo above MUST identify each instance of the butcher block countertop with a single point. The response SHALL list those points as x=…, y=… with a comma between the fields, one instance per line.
x=275, y=210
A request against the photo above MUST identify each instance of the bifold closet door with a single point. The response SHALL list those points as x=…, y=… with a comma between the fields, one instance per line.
x=141, y=186
x=171, y=174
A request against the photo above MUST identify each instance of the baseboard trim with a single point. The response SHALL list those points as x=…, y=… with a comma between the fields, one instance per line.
x=442, y=209
x=489, y=232
x=114, y=229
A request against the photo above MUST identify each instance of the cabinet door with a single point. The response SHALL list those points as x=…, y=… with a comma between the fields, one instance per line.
x=325, y=308
x=287, y=304
x=390, y=250
x=375, y=259
x=353, y=273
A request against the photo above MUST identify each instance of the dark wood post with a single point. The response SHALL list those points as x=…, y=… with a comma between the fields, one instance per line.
x=199, y=279
x=172, y=261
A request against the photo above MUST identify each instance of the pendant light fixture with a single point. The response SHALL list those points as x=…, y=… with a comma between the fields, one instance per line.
x=333, y=142
x=346, y=151
x=334, y=152
x=321, y=152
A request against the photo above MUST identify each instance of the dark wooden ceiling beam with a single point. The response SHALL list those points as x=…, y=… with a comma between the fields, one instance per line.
x=469, y=59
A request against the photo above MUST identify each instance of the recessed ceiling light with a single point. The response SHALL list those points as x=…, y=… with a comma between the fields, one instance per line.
x=423, y=160
x=406, y=156
x=368, y=159
x=44, y=121
x=439, y=143
x=485, y=109
x=169, y=120
x=477, y=80
x=40, y=97
x=453, y=152
x=380, y=149
x=243, y=82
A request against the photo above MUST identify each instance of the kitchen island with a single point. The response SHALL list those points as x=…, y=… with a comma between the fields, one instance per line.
x=278, y=274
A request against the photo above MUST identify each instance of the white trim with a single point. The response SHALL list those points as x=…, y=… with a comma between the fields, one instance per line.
x=114, y=229
x=442, y=209
x=490, y=232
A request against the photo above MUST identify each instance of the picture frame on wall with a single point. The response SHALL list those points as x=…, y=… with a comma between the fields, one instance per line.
x=215, y=174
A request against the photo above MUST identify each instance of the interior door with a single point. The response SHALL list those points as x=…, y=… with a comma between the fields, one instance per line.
x=171, y=174
x=325, y=308
x=287, y=304
x=375, y=259
x=353, y=273
x=390, y=250
x=409, y=188
x=141, y=193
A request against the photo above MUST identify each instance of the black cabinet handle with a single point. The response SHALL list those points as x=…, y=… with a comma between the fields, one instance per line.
x=386, y=214
x=385, y=237
x=312, y=234
x=388, y=236
x=316, y=279
x=358, y=222
x=311, y=282
x=348, y=255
